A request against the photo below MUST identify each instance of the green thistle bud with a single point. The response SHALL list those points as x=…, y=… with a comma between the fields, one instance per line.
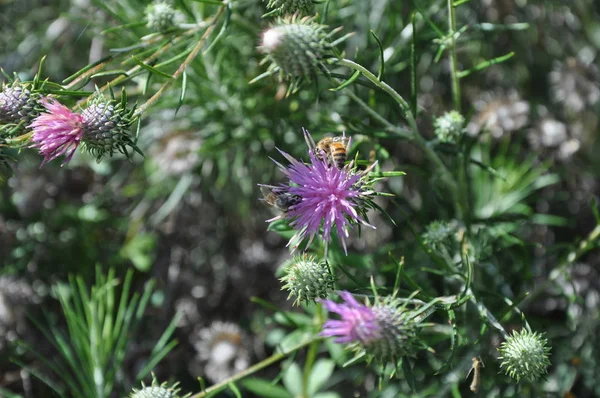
x=438, y=233
x=307, y=279
x=160, y=16
x=18, y=105
x=288, y=7
x=398, y=332
x=157, y=391
x=449, y=127
x=106, y=125
x=524, y=355
x=296, y=47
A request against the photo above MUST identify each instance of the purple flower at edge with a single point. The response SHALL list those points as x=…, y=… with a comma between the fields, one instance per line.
x=329, y=196
x=57, y=132
x=358, y=324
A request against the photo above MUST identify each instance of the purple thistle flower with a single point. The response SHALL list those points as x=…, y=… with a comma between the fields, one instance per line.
x=329, y=197
x=385, y=330
x=358, y=324
x=57, y=132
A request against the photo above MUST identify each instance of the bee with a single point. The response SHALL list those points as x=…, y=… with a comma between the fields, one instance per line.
x=278, y=198
x=335, y=150
x=476, y=369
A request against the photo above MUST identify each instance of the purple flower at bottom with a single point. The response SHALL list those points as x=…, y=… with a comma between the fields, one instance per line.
x=358, y=324
x=327, y=196
x=57, y=132
x=385, y=330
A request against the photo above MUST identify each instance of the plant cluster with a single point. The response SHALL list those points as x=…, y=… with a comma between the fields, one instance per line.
x=438, y=216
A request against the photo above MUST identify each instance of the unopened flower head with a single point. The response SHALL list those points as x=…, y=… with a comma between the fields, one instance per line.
x=289, y=7
x=18, y=105
x=439, y=233
x=307, y=279
x=449, y=127
x=329, y=198
x=160, y=16
x=56, y=132
x=524, y=356
x=107, y=124
x=157, y=391
x=386, y=330
x=296, y=47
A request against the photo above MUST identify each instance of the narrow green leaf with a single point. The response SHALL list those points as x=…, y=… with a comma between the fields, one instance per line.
x=183, y=91
x=118, y=72
x=223, y=29
x=69, y=93
x=437, y=30
x=485, y=65
x=408, y=373
x=150, y=69
x=348, y=82
x=235, y=390
x=120, y=27
x=381, y=57
x=155, y=358
x=387, y=174
x=85, y=69
x=36, y=78
x=398, y=279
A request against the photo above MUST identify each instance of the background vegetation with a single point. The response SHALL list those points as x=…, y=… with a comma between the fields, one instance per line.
x=173, y=246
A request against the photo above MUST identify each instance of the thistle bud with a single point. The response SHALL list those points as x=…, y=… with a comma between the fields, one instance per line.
x=438, y=233
x=449, y=127
x=296, y=48
x=288, y=7
x=160, y=16
x=157, y=391
x=524, y=355
x=385, y=331
x=18, y=105
x=106, y=127
x=307, y=279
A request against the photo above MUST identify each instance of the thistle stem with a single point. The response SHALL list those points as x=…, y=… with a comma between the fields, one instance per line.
x=255, y=368
x=446, y=177
x=152, y=100
x=452, y=54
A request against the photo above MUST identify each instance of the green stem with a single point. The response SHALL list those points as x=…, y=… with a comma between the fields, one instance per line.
x=311, y=356
x=452, y=53
x=183, y=66
x=446, y=177
x=255, y=368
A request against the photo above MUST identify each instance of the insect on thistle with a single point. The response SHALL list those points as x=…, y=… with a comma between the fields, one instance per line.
x=278, y=199
x=476, y=369
x=334, y=150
